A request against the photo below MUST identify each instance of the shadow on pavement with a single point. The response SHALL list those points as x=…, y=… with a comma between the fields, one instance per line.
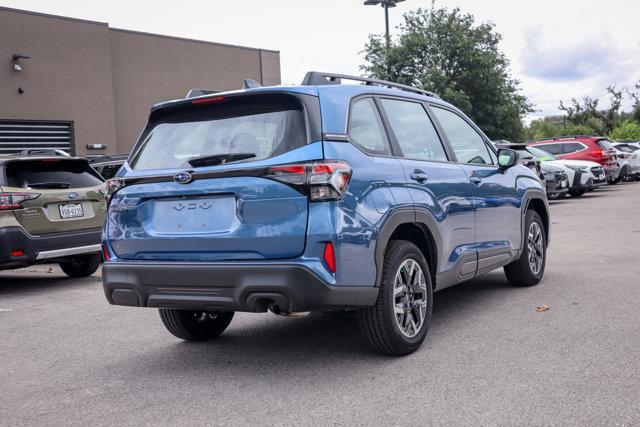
x=299, y=347
x=12, y=282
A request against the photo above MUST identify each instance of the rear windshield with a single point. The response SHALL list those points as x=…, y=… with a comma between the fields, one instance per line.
x=51, y=174
x=604, y=144
x=541, y=154
x=229, y=131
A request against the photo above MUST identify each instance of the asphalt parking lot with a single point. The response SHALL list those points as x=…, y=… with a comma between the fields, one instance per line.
x=67, y=357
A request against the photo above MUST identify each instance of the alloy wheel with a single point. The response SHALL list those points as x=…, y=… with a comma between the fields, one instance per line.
x=410, y=298
x=535, y=244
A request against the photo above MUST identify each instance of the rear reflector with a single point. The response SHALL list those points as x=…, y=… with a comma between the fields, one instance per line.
x=330, y=256
x=105, y=254
x=15, y=253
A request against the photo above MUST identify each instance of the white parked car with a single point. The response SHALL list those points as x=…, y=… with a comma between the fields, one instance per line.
x=629, y=158
x=583, y=175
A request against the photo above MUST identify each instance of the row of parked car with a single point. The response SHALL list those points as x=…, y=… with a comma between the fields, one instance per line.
x=573, y=165
x=49, y=200
x=292, y=199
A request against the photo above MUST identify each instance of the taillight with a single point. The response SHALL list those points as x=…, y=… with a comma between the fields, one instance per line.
x=113, y=185
x=598, y=154
x=105, y=254
x=10, y=201
x=322, y=181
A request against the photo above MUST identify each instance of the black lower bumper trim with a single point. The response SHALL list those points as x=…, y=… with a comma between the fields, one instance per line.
x=227, y=287
x=16, y=238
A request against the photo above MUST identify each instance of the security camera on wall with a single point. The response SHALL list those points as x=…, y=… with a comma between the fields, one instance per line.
x=17, y=67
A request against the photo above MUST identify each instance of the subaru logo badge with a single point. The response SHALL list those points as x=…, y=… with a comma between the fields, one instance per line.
x=182, y=177
x=72, y=196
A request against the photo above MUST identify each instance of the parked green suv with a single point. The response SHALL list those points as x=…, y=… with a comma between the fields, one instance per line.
x=51, y=211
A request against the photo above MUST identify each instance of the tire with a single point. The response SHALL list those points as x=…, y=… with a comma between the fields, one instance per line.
x=521, y=272
x=380, y=322
x=81, y=265
x=624, y=174
x=194, y=325
x=577, y=193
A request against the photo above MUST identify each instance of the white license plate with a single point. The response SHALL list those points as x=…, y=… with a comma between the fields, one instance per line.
x=71, y=210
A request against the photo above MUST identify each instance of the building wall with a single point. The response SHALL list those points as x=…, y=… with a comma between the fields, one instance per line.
x=67, y=78
x=105, y=80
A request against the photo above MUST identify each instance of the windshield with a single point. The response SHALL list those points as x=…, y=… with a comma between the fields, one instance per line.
x=219, y=135
x=541, y=154
x=624, y=148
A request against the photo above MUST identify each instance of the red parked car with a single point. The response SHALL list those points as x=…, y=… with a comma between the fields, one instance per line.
x=584, y=147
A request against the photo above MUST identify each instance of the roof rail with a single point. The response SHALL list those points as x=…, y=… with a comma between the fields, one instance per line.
x=199, y=92
x=577, y=136
x=317, y=78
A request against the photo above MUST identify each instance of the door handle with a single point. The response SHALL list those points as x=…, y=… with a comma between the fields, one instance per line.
x=475, y=179
x=419, y=175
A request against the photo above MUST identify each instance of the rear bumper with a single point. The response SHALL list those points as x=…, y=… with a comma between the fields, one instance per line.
x=39, y=249
x=238, y=286
x=612, y=172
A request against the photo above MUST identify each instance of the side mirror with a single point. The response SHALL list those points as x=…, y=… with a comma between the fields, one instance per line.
x=507, y=158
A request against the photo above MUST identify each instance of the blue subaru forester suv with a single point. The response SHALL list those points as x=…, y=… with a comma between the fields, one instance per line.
x=318, y=197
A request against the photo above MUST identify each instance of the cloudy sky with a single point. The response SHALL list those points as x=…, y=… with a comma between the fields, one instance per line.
x=558, y=48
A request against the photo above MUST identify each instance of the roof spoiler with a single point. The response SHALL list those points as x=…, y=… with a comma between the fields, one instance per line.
x=247, y=84
x=193, y=93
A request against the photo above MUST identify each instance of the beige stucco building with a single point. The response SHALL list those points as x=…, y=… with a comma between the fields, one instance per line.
x=87, y=88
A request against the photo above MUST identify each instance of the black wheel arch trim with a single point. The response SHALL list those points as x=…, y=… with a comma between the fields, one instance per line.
x=419, y=217
x=529, y=196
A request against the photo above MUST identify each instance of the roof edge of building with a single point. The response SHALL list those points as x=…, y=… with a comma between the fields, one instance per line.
x=106, y=24
x=187, y=39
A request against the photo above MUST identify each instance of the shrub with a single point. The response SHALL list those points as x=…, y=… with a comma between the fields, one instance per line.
x=627, y=129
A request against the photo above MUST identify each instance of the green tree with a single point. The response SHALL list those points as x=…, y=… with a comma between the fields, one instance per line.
x=627, y=129
x=445, y=51
x=541, y=128
x=544, y=128
x=586, y=114
x=635, y=97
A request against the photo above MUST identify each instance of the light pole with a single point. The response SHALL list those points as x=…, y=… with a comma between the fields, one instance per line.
x=386, y=4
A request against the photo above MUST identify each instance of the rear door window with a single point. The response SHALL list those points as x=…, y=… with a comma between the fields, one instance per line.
x=231, y=130
x=365, y=128
x=555, y=149
x=572, y=147
x=468, y=145
x=51, y=174
x=416, y=135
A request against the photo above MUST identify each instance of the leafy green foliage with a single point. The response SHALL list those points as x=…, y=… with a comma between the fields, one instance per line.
x=544, y=128
x=587, y=115
x=445, y=51
x=635, y=97
x=627, y=129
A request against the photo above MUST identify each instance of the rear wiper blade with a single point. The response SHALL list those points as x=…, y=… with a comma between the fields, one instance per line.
x=219, y=159
x=49, y=185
